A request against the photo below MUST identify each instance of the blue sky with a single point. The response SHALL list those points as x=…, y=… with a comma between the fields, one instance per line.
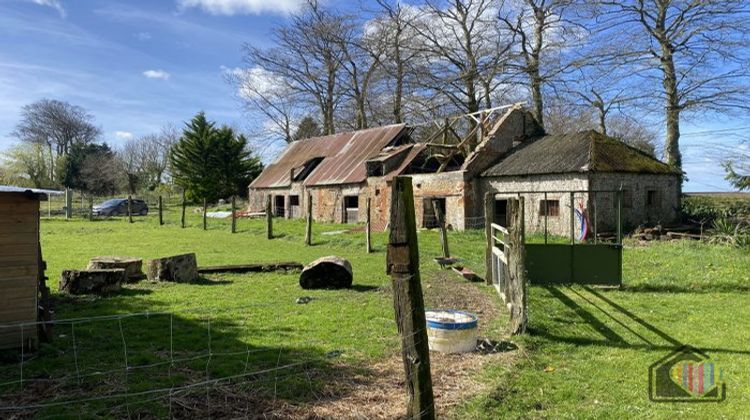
x=138, y=65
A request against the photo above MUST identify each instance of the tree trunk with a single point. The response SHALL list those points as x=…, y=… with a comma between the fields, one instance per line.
x=672, y=143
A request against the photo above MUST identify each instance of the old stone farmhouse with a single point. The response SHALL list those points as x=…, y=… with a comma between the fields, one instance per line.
x=508, y=155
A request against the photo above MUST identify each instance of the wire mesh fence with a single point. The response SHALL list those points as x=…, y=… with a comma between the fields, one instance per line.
x=205, y=361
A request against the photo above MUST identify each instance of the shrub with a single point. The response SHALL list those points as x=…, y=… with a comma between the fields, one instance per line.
x=708, y=208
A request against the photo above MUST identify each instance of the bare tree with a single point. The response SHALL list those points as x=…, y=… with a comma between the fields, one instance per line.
x=145, y=159
x=463, y=51
x=695, y=50
x=307, y=58
x=541, y=31
x=57, y=125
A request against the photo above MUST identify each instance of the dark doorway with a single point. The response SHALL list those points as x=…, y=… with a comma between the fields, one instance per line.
x=278, y=205
x=501, y=213
x=429, y=218
x=351, y=209
x=294, y=211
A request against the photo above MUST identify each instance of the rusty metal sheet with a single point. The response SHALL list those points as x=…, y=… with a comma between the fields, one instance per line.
x=344, y=157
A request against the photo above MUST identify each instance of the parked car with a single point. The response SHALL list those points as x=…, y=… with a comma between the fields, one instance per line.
x=119, y=207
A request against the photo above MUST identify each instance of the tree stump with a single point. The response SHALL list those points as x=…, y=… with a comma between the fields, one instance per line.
x=179, y=268
x=101, y=281
x=133, y=266
x=327, y=273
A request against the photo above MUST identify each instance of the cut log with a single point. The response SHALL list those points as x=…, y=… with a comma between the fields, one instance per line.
x=327, y=273
x=178, y=268
x=250, y=268
x=678, y=235
x=133, y=266
x=79, y=282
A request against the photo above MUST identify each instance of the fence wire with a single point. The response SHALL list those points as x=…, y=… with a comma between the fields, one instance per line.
x=170, y=364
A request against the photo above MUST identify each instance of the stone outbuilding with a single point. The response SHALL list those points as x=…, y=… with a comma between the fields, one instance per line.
x=505, y=153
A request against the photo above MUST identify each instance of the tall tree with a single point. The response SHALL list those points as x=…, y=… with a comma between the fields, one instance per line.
x=464, y=51
x=738, y=167
x=541, y=30
x=211, y=162
x=696, y=52
x=58, y=126
x=92, y=169
x=307, y=57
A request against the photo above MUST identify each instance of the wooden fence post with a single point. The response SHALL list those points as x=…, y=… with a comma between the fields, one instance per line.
x=205, y=222
x=182, y=219
x=234, y=219
x=517, y=282
x=308, y=226
x=408, y=302
x=91, y=208
x=443, y=231
x=489, y=216
x=368, y=239
x=130, y=208
x=68, y=203
x=269, y=218
x=161, y=212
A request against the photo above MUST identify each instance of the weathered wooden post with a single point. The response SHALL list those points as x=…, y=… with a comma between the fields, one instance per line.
x=130, y=209
x=234, y=218
x=205, y=222
x=368, y=239
x=184, y=203
x=516, y=256
x=91, y=208
x=489, y=216
x=161, y=212
x=443, y=231
x=269, y=218
x=308, y=226
x=403, y=267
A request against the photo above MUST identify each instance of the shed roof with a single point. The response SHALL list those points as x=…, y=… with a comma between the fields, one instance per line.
x=12, y=189
x=343, y=154
x=585, y=151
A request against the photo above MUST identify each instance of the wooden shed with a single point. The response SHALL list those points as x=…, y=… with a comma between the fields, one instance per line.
x=21, y=267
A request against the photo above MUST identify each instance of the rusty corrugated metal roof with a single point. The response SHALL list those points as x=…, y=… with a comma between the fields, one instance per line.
x=344, y=157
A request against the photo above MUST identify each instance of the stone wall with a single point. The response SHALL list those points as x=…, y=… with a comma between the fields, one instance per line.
x=447, y=185
x=534, y=217
x=665, y=191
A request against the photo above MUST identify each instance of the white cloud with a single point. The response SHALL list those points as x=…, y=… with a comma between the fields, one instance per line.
x=242, y=7
x=143, y=36
x=55, y=4
x=157, y=74
x=255, y=82
x=124, y=135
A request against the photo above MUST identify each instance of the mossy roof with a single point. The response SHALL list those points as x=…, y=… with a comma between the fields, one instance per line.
x=582, y=152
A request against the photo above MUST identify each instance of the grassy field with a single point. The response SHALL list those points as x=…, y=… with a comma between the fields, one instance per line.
x=589, y=349
x=587, y=354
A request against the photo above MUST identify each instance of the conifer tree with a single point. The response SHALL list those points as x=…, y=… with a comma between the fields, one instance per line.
x=212, y=162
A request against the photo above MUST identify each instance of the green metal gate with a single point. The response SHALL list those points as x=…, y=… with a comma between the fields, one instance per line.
x=586, y=260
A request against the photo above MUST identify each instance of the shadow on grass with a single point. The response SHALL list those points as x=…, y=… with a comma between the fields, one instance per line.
x=207, y=281
x=364, y=288
x=671, y=288
x=199, y=364
x=607, y=309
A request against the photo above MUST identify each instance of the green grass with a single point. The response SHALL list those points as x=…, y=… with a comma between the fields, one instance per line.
x=586, y=355
x=589, y=350
x=255, y=323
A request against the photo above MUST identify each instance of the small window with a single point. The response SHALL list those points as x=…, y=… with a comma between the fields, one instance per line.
x=549, y=207
x=652, y=198
x=351, y=209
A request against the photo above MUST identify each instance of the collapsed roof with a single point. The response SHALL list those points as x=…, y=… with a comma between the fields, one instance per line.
x=586, y=151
